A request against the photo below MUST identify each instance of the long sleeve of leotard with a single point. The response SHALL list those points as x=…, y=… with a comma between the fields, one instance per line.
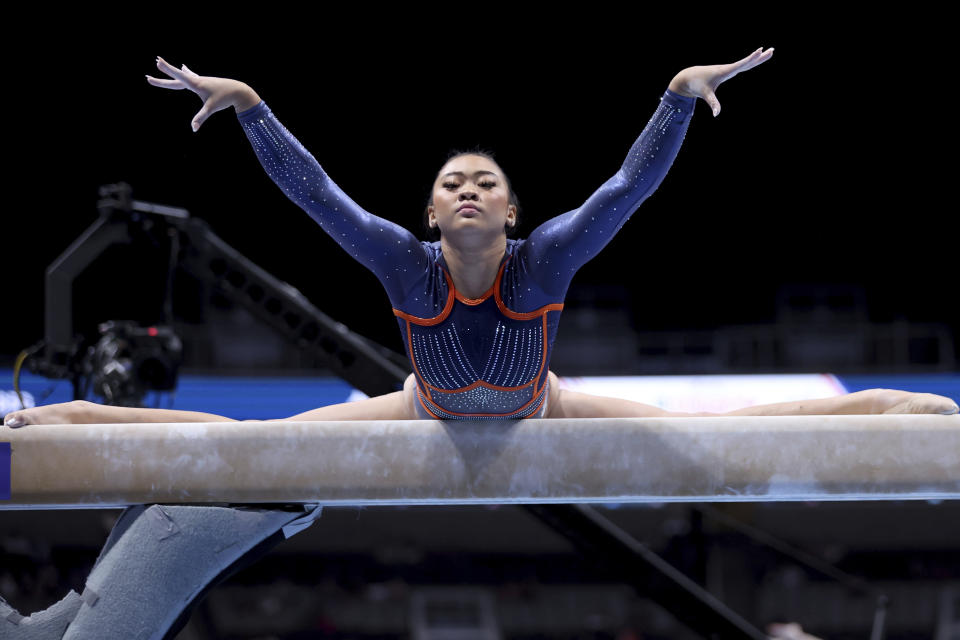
x=390, y=251
x=556, y=249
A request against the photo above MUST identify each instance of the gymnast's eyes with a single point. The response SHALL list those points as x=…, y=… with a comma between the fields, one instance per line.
x=485, y=183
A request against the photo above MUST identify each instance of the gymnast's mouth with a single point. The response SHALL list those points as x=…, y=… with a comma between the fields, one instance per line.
x=468, y=208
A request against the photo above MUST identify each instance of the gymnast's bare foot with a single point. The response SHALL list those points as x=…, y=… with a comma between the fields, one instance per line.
x=894, y=401
x=60, y=413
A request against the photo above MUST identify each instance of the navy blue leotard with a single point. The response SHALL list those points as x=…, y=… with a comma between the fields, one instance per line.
x=488, y=357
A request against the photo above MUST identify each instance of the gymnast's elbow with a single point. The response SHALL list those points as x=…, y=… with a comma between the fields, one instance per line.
x=635, y=191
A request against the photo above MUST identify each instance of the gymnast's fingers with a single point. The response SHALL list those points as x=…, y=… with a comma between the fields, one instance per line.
x=165, y=83
x=711, y=99
x=756, y=58
x=173, y=72
x=201, y=117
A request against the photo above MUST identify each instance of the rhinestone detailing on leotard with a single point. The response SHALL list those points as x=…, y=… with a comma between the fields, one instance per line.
x=487, y=359
x=531, y=409
x=513, y=359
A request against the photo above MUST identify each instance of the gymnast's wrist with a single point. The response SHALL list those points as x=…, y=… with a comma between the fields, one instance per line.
x=245, y=98
x=676, y=85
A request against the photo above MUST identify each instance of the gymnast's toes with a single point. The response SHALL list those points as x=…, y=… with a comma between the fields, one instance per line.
x=59, y=413
x=15, y=419
x=925, y=403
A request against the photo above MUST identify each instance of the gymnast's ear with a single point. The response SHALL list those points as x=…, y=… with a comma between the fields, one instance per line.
x=431, y=220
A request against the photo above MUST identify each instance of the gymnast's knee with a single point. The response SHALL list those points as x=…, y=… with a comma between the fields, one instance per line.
x=553, y=381
x=553, y=401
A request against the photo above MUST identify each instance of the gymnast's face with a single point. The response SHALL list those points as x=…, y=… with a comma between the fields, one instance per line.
x=470, y=197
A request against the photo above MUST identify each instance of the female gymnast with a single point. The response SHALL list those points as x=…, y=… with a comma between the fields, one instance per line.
x=478, y=312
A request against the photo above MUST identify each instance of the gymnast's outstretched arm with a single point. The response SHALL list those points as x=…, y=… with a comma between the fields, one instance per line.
x=390, y=251
x=557, y=248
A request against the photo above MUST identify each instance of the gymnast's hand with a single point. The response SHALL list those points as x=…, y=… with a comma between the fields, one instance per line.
x=702, y=82
x=217, y=93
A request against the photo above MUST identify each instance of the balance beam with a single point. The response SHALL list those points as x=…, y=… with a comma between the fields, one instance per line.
x=412, y=462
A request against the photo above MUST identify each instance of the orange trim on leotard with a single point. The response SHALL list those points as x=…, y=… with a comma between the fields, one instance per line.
x=495, y=290
x=437, y=319
x=426, y=408
x=543, y=357
x=486, y=294
x=516, y=315
x=413, y=361
x=483, y=383
x=521, y=315
x=474, y=301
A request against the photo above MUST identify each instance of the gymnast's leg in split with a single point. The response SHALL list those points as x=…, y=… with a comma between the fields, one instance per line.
x=565, y=403
x=562, y=403
x=391, y=406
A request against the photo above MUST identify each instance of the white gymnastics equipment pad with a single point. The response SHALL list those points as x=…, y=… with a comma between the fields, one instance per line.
x=415, y=462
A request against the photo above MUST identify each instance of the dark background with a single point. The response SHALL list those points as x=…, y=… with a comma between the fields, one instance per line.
x=830, y=164
x=824, y=165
